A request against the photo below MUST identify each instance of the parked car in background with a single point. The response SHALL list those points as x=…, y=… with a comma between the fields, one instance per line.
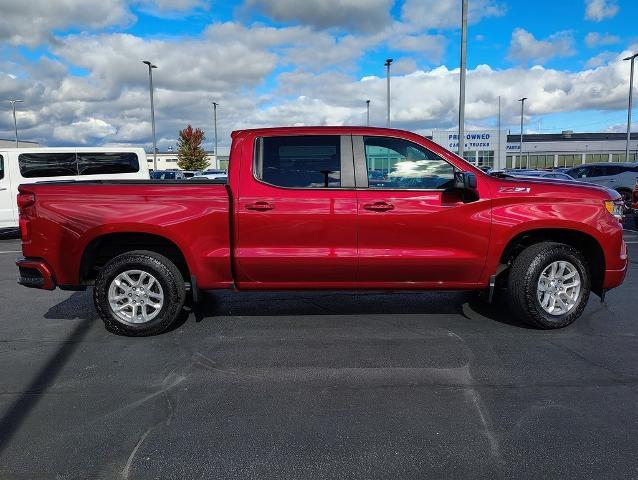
x=167, y=175
x=19, y=166
x=214, y=173
x=190, y=173
x=542, y=174
x=634, y=206
x=303, y=210
x=203, y=176
x=617, y=176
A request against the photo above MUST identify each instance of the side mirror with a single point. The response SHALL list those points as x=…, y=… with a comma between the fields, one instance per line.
x=465, y=181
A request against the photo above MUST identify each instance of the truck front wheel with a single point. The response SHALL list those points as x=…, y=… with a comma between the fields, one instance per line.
x=549, y=285
x=139, y=293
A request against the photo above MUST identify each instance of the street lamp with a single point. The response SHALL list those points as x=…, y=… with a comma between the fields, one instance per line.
x=462, y=78
x=631, y=87
x=522, y=100
x=150, y=86
x=367, y=113
x=215, y=123
x=387, y=64
x=15, y=123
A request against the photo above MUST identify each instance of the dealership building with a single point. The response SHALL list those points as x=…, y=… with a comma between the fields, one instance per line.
x=6, y=143
x=500, y=150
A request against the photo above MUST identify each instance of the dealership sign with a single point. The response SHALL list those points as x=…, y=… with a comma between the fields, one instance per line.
x=476, y=140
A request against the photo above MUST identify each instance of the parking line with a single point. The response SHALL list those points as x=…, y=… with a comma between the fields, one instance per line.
x=11, y=251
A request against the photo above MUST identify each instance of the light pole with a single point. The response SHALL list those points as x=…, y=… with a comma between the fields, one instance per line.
x=631, y=88
x=150, y=86
x=15, y=123
x=498, y=158
x=387, y=64
x=215, y=123
x=367, y=113
x=462, y=78
x=522, y=100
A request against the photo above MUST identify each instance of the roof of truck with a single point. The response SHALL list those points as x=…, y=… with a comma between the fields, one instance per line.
x=333, y=128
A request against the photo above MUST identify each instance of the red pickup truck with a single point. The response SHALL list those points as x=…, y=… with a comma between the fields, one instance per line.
x=324, y=208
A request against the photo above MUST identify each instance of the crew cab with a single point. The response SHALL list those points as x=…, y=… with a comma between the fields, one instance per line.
x=324, y=208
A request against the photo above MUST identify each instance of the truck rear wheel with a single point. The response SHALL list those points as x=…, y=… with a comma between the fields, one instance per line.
x=549, y=285
x=139, y=293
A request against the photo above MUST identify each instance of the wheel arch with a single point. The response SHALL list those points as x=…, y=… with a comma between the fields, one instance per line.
x=104, y=247
x=590, y=248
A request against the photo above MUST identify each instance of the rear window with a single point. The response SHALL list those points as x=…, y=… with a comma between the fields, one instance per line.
x=47, y=165
x=107, y=163
x=304, y=161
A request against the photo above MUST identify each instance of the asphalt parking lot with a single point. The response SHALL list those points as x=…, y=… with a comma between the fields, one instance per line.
x=317, y=385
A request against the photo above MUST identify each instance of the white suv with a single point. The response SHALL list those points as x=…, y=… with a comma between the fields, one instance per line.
x=617, y=176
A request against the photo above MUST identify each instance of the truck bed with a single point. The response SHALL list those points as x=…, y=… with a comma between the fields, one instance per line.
x=77, y=221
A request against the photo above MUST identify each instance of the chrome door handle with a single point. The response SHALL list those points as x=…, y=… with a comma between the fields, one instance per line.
x=379, y=206
x=260, y=206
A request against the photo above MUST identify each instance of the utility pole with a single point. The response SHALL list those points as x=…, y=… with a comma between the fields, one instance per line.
x=215, y=124
x=522, y=100
x=150, y=86
x=498, y=162
x=15, y=122
x=462, y=78
x=629, y=107
x=387, y=64
x=367, y=113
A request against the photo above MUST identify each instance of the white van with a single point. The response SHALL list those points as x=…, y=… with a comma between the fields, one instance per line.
x=30, y=165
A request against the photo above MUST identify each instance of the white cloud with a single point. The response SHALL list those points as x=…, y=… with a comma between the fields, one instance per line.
x=447, y=13
x=84, y=131
x=33, y=22
x=598, y=10
x=363, y=15
x=431, y=47
x=525, y=47
x=595, y=39
x=602, y=58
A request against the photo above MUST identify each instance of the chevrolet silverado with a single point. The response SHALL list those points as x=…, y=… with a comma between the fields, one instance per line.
x=324, y=208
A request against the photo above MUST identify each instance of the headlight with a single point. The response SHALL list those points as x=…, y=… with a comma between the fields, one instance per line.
x=616, y=208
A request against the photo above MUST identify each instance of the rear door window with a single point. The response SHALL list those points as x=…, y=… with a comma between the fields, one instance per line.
x=33, y=165
x=103, y=163
x=304, y=161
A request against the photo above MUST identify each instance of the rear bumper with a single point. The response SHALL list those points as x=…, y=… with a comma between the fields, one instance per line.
x=35, y=273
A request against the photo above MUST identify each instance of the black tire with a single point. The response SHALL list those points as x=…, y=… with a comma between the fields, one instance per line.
x=166, y=273
x=523, y=280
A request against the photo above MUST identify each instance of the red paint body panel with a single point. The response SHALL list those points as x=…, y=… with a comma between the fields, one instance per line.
x=68, y=217
x=320, y=238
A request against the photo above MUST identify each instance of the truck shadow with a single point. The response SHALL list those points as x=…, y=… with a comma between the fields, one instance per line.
x=464, y=304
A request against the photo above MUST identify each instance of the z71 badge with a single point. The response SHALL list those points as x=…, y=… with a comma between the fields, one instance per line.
x=514, y=190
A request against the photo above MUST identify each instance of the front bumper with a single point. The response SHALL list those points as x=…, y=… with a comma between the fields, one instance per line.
x=35, y=273
x=614, y=278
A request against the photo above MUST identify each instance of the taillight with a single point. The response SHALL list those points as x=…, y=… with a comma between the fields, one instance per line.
x=25, y=229
x=26, y=200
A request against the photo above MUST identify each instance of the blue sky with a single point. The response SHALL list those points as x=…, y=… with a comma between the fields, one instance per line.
x=286, y=62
